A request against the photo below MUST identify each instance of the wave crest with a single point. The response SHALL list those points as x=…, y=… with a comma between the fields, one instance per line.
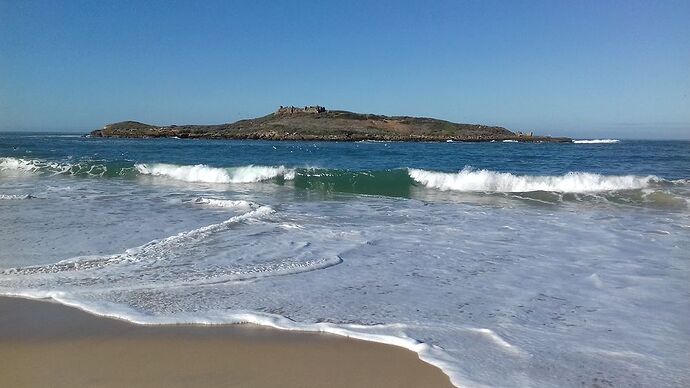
x=470, y=179
x=22, y=165
x=15, y=196
x=82, y=168
x=206, y=174
x=225, y=203
x=596, y=141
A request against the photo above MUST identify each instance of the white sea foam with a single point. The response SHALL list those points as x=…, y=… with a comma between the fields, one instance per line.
x=510, y=141
x=596, y=141
x=15, y=196
x=496, y=339
x=470, y=179
x=440, y=278
x=18, y=165
x=204, y=173
x=489, y=311
x=225, y=203
x=150, y=265
x=10, y=165
x=378, y=333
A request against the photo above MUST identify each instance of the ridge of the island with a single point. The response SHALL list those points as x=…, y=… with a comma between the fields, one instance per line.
x=317, y=123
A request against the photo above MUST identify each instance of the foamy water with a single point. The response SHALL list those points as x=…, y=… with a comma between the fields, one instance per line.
x=483, y=180
x=499, y=277
x=14, y=196
x=203, y=173
x=596, y=141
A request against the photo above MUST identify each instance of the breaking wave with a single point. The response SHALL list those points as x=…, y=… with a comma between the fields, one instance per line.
x=9, y=165
x=400, y=182
x=225, y=203
x=206, y=174
x=188, y=173
x=470, y=179
x=4, y=197
x=19, y=165
x=14, y=164
x=596, y=141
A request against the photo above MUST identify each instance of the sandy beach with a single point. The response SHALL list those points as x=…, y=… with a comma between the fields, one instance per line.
x=47, y=344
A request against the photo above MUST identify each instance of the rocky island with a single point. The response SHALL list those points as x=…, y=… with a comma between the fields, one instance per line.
x=317, y=123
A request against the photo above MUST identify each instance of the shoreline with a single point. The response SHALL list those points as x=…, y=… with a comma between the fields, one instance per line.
x=47, y=343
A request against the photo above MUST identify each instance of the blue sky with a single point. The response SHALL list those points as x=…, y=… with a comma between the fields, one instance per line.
x=579, y=68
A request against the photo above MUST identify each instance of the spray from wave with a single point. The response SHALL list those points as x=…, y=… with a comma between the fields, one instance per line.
x=4, y=197
x=399, y=182
x=24, y=165
x=470, y=179
x=206, y=174
x=92, y=168
x=225, y=203
x=596, y=141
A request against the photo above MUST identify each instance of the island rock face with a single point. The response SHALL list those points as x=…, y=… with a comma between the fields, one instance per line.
x=317, y=123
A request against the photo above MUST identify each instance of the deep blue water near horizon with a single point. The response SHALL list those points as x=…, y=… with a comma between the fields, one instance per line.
x=504, y=264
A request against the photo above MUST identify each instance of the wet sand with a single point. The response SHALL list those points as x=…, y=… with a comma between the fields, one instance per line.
x=46, y=344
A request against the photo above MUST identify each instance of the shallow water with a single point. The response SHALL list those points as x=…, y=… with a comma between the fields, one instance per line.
x=502, y=263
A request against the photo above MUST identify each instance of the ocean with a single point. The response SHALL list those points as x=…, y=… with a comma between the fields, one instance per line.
x=504, y=264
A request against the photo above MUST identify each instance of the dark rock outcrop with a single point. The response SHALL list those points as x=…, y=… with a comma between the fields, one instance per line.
x=325, y=125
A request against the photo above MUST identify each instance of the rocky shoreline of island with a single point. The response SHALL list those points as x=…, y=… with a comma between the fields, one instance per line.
x=315, y=123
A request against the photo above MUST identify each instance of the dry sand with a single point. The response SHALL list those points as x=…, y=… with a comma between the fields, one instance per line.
x=49, y=345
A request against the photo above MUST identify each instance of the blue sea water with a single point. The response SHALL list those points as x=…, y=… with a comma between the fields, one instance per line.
x=505, y=264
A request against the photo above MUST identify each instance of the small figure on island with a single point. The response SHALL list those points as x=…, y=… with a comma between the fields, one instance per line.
x=306, y=109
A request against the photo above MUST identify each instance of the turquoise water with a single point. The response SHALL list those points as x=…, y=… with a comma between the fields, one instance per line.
x=502, y=263
x=667, y=159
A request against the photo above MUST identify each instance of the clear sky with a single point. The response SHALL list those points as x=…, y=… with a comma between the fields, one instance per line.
x=578, y=68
